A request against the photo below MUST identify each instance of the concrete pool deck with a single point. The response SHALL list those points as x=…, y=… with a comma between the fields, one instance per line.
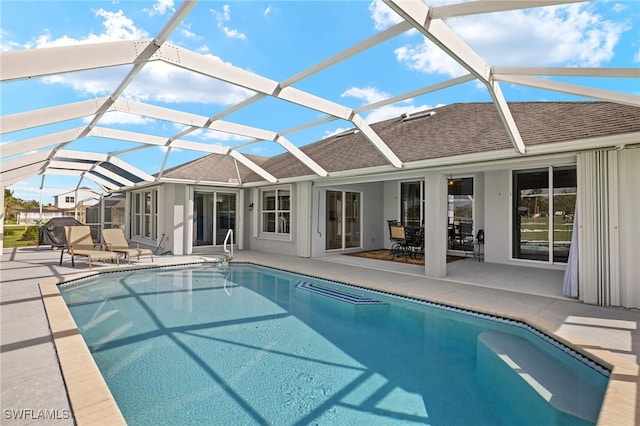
x=63, y=382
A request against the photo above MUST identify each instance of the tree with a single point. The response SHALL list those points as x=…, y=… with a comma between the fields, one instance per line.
x=10, y=203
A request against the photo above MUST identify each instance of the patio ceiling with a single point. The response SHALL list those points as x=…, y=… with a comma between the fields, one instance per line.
x=49, y=154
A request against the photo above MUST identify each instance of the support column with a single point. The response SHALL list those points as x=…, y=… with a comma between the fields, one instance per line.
x=303, y=191
x=435, y=225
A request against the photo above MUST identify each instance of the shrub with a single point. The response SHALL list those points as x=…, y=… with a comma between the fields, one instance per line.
x=30, y=234
x=8, y=232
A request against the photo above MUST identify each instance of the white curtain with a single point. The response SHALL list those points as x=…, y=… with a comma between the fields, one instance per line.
x=598, y=230
x=570, y=281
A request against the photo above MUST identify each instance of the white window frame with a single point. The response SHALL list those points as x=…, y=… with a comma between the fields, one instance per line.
x=139, y=214
x=551, y=186
x=277, y=211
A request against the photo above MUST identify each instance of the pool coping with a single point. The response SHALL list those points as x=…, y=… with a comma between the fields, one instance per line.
x=92, y=402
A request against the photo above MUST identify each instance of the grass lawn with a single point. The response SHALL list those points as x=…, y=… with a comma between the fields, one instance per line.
x=13, y=234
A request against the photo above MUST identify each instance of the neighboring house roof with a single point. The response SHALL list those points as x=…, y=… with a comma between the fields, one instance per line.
x=448, y=131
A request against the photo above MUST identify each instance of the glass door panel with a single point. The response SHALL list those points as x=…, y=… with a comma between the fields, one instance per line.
x=334, y=220
x=564, y=203
x=460, y=213
x=203, y=218
x=531, y=222
x=352, y=220
x=225, y=216
x=411, y=204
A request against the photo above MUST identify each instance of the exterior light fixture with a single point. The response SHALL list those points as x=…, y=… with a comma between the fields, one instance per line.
x=251, y=207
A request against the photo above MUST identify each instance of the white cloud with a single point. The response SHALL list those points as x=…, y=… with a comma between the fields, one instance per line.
x=116, y=27
x=161, y=8
x=570, y=35
x=328, y=134
x=187, y=33
x=7, y=44
x=118, y=117
x=636, y=57
x=371, y=95
x=367, y=94
x=164, y=82
x=383, y=16
x=100, y=82
x=619, y=7
x=267, y=11
x=158, y=81
x=165, y=149
x=428, y=58
x=214, y=135
x=222, y=18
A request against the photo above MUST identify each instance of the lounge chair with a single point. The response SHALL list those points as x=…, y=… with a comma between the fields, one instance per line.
x=117, y=243
x=80, y=243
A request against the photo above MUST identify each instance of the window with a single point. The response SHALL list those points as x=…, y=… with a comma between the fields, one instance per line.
x=543, y=224
x=69, y=199
x=276, y=211
x=144, y=216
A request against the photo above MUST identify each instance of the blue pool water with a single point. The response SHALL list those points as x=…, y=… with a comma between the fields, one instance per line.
x=250, y=345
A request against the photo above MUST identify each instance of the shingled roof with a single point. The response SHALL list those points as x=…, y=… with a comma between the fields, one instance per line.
x=456, y=129
x=214, y=168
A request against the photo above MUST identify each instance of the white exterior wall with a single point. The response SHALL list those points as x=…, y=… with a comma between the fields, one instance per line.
x=31, y=218
x=83, y=197
x=175, y=218
x=390, y=208
x=497, y=216
x=435, y=225
x=303, y=205
x=479, y=204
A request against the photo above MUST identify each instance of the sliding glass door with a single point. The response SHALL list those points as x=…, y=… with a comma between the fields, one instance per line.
x=543, y=224
x=214, y=213
x=343, y=220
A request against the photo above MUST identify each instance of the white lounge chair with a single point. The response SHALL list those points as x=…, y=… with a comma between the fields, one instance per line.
x=80, y=243
x=117, y=243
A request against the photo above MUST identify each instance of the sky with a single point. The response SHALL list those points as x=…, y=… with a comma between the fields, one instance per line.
x=277, y=40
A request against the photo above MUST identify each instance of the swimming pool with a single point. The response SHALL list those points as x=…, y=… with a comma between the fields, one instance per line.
x=245, y=344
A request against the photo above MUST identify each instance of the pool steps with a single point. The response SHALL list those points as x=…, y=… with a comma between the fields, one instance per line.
x=337, y=294
x=532, y=378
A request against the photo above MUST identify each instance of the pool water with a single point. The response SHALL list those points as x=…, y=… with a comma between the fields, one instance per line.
x=246, y=344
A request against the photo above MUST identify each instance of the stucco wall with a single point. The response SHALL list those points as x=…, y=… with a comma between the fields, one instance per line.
x=390, y=208
x=496, y=216
x=175, y=220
